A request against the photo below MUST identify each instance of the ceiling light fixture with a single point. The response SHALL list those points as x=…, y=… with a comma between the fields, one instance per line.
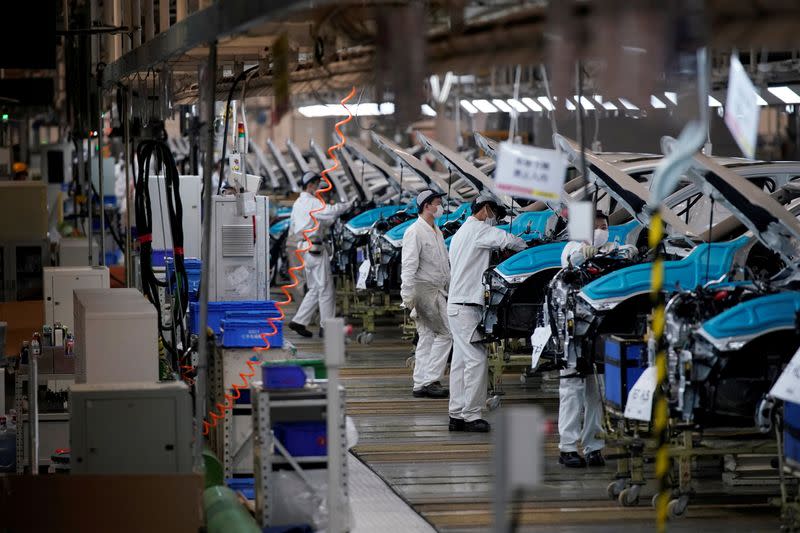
x=785, y=94
x=628, y=105
x=518, y=106
x=484, y=106
x=531, y=103
x=502, y=105
x=546, y=103
x=468, y=107
x=656, y=103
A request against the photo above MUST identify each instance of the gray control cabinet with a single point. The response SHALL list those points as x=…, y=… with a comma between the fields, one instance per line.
x=130, y=428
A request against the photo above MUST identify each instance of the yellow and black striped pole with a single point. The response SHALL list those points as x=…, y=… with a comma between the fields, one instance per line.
x=660, y=407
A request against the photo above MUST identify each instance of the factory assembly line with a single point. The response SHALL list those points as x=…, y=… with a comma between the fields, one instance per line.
x=280, y=266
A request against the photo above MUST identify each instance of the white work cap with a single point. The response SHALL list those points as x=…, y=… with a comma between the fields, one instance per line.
x=427, y=196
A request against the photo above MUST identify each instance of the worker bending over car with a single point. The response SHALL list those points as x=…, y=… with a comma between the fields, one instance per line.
x=425, y=275
x=470, y=252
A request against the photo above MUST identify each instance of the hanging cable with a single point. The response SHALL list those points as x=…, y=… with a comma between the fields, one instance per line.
x=218, y=414
x=710, y=231
x=222, y=162
x=158, y=154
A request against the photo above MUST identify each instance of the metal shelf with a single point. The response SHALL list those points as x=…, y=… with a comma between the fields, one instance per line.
x=271, y=405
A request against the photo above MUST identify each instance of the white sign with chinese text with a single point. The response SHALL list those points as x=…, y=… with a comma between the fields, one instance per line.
x=528, y=172
x=742, y=109
x=639, y=405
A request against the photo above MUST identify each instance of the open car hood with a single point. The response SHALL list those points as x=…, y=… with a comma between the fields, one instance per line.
x=631, y=194
x=283, y=166
x=546, y=256
x=346, y=163
x=486, y=144
x=770, y=222
x=434, y=180
x=460, y=166
x=705, y=263
x=362, y=153
x=368, y=218
x=750, y=319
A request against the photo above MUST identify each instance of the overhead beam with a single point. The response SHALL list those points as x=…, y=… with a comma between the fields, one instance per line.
x=222, y=19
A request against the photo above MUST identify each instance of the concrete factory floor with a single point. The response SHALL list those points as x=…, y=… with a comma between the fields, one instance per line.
x=446, y=477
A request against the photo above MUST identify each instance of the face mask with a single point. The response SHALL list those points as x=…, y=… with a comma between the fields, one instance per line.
x=600, y=237
x=439, y=211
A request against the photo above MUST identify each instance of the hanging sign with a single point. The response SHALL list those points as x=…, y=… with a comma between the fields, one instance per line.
x=528, y=172
x=742, y=109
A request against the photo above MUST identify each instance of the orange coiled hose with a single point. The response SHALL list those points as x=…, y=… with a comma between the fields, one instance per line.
x=230, y=399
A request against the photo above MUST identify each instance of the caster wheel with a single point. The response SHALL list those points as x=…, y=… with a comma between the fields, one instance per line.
x=493, y=403
x=677, y=508
x=523, y=379
x=629, y=497
x=614, y=488
x=410, y=362
x=368, y=338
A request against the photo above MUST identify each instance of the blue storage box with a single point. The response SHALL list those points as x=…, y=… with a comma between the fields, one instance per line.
x=193, y=270
x=625, y=361
x=245, y=485
x=246, y=332
x=217, y=311
x=283, y=377
x=303, y=439
x=791, y=434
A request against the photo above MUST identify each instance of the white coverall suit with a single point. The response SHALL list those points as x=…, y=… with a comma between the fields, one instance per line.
x=424, y=274
x=578, y=394
x=470, y=252
x=319, y=279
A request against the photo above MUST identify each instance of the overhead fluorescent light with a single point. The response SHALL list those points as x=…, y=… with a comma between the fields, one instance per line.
x=785, y=94
x=608, y=105
x=570, y=105
x=760, y=100
x=502, y=105
x=530, y=102
x=468, y=107
x=672, y=97
x=585, y=103
x=656, y=103
x=387, y=108
x=446, y=86
x=546, y=103
x=428, y=111
x=484, y=106
x=518, y=106
x=713, y=102
x=628, y=105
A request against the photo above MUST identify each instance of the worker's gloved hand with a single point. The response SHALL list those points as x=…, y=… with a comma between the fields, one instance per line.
x=587, y=250
x=408, y=303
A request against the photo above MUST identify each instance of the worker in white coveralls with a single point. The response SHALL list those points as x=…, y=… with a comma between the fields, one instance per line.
x=581, y=395
x=319, y=278
x=470, y=252
x=425, y=274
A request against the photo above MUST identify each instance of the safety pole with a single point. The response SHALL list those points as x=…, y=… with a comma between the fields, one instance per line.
x=660, y=409
x=126, y=139
x=208, y=85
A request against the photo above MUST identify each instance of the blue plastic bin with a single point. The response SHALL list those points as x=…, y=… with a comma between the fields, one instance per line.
x=625, y=361
x=303, y=439
x=791, y=434
x=193, y=269
x=217, y=311
x=245, y=485
x=246, y=332
x=283, y=376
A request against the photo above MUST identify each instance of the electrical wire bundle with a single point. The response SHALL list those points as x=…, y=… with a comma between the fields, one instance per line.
x=218, y=414
x=159, y=155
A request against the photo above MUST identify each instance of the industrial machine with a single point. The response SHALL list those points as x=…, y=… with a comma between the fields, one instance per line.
x=239, y=260
x=59, y=282
x=116, y=337
x=190, y=187
x=130, y=428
